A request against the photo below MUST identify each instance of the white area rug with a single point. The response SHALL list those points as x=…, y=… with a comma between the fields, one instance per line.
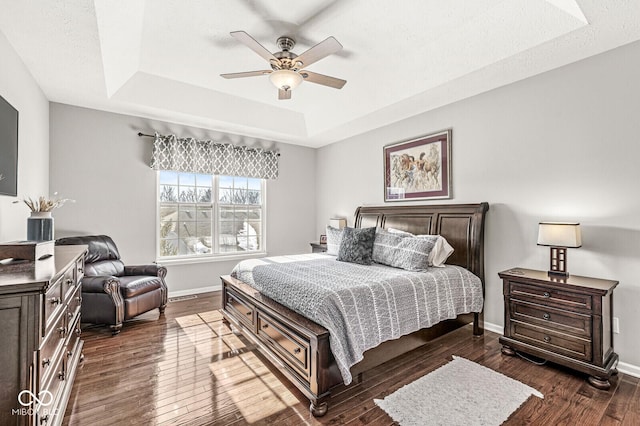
x=460, y=392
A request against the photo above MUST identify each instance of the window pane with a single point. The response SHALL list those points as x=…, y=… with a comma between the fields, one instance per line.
x=225, y=181
x=187, y=212
x=225, y=196
x=240, y=182
x=168, y=178
x=168, y=193
x=254, y=183
x=239, y=196
x=204, y=195
x=186, y=178
x=187, y=194
x=203, y=180
x=253, y=197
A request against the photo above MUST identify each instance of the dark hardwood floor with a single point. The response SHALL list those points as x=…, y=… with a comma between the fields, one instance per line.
x=188, y=368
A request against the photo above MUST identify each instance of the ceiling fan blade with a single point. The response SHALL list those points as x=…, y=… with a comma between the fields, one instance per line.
x=284, y=94
x=252, y=44
x=323, y=49
x=325, y=80
x=246, y=74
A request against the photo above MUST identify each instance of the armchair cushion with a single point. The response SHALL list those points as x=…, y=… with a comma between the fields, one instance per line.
x=135, y=285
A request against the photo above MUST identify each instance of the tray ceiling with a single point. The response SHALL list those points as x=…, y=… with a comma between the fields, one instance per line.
x=162, y=59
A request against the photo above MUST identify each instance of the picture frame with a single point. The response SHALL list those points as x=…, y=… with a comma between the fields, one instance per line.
x=323, y=239
x=418, y=169
x=8, y=149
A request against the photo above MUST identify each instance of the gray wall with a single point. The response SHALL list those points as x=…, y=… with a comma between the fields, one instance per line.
x=559, y=146
x=19, y=88
x=98, y=160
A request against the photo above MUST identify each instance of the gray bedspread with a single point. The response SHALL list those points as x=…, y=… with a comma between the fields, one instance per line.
x=362, y=306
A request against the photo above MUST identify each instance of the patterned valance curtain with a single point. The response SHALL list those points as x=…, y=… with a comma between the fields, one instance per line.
x=208, y=157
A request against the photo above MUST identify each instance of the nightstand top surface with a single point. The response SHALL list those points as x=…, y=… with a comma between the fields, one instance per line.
x=571, y=280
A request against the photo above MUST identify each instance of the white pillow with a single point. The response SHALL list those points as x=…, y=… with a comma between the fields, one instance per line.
x=334, y=239
x=441, y=251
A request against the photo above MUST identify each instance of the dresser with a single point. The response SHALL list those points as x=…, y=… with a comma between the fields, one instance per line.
x=41, y=346
x=567, y=321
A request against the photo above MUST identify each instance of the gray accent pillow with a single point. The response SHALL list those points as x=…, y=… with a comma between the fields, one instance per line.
x=357, y=245
x=402, y=250
x=334, y=237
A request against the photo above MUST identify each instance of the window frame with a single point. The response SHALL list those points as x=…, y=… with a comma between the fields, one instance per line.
x=215, y=225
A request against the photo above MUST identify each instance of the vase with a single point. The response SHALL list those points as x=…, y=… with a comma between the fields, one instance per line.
x=40, y=226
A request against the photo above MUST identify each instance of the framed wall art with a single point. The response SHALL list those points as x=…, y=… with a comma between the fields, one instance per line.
x=418, y=169
x=8, y=149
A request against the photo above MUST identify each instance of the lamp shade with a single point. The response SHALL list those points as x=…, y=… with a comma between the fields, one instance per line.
x=285, y=79
x=338, y=222
x=559, y=234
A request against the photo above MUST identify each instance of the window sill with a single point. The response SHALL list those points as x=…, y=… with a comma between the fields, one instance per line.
x=210, y=259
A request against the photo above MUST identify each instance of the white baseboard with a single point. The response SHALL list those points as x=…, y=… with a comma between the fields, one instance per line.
x=623, y=367
x=198, y=290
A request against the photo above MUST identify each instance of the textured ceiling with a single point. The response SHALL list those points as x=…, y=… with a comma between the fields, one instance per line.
x=162, y=59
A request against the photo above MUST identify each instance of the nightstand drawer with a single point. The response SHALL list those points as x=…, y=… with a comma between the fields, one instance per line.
x=562, y=299
x=563, y=344
x=544, y=316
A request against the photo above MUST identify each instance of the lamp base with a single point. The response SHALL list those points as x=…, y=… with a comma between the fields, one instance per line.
x=558, y=261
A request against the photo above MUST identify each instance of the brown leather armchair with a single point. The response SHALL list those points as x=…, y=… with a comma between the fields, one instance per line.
x=112, y=292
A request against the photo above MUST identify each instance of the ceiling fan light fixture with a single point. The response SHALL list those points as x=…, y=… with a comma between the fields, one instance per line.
x=285, y=79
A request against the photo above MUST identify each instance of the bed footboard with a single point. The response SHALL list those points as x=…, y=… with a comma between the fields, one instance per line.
x=298, y=347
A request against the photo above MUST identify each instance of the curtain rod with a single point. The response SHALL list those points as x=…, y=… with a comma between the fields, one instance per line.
x=143, y=135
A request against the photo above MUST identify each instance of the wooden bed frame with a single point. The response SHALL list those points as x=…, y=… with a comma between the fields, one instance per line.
x=299, y=348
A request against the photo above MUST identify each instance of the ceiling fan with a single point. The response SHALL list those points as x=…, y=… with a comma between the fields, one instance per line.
x=288, y=70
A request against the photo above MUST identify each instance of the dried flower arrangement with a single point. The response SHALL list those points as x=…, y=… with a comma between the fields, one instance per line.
x=42, y=204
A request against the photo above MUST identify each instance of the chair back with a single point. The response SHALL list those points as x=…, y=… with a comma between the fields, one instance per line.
x=102, y=257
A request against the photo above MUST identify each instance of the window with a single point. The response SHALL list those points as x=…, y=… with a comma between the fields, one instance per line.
x=204, y=216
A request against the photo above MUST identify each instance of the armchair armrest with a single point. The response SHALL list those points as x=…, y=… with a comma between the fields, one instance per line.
x=106, y=284
x=152, y=269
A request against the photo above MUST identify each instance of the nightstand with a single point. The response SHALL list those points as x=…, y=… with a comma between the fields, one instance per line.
x=318, y=248
x=563, y=320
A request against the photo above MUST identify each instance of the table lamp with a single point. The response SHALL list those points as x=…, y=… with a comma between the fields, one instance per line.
x=559, y=236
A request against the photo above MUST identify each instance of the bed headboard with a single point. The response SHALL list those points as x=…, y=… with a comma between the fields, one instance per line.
x=461, y=224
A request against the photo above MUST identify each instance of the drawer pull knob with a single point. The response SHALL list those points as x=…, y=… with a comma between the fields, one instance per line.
x=62, y=331
x=265, y=326
x=547, y=294
x=547, y=339
x=61, y=375
x=78, y=331
x=70, y=315
x=54, y=300
x=546, y=316
x=69, y=281
x=296, y=351
x=79, y=299
x=44, y=419
x=46, y=362
x=249, y=313
x=69, y=354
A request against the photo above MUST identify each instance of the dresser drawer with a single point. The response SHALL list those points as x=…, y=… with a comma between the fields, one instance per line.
x=294, y=348
x=53, y=304
x=550, y=340
x=73, y=338
x=243, y=309
x=557, y=319
x=51, y=347
x=73, y=305
x=54, y=383
x=68, y=283
x=562, y=299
